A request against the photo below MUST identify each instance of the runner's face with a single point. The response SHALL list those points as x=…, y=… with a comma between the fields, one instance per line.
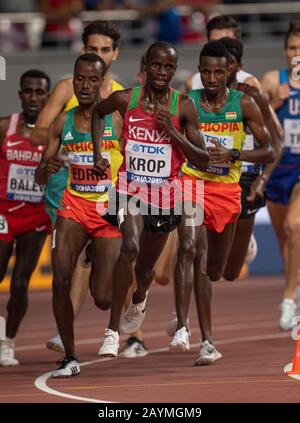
x=217, y=34
x=292, y=50
x=87, y=82
x=103, y=47
x=33, y=95
x=214, y=73
x=161, y=68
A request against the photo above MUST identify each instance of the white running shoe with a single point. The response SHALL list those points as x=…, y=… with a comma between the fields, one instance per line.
x=134, y=347
x=208, y=354
x=7, y=353
x=55, y=344
x=134, y=316
x=68, y=367
x=252, y=251
x=110, y=346
x=181, y=341
x=172, y=325
x=288, y=308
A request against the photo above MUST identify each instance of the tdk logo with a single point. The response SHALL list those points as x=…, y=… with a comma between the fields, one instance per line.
x=149, y=149
x=220, y=140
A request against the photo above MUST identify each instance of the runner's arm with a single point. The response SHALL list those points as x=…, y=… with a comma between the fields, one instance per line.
x=117, y=101
x=49, y=163
x=3, y=128
x=192, y=144
x=253, y=117
x=57, y=101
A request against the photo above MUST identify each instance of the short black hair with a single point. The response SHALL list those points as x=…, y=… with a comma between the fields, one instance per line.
x=91, y=58
x=102, y=28
x=234, y=47
x=35, y=73
x=224, y=22
x=294, y=29
x=159, y=45
x=214, y=49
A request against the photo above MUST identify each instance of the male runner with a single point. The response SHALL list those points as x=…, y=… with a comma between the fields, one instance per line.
x=219, y=27
x=101, y=38
x=283, y=189
x=154, y=150
x=79, y=216
x=223, y=114
x=23, y=219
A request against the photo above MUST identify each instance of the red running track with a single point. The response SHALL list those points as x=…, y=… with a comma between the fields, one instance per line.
x=245, y=318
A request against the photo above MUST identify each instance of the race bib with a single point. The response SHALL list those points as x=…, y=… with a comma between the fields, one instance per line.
x=148, y=162
x=21, y=185
x=82, y=178
x=3, y=225
x=292, y=135
x=220, y=169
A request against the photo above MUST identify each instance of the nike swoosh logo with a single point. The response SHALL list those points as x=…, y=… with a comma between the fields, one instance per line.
x=40, y=228
x=251, y=211
x=131, y=119
x=159, y=224
x=12, y=143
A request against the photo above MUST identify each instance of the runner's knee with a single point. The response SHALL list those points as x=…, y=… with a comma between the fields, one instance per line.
x=187, y=249
x=19, y=285
x=103, y=302
x=129, y=248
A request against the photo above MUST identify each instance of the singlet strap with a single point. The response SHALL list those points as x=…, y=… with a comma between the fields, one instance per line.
x=13, y=123
x=134, y=98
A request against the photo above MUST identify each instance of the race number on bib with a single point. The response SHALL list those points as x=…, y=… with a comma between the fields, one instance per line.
x=148, y=162
x=220, y=169
x=292, y=135
x=21, y=185
x=82, y=178
x=3, y=225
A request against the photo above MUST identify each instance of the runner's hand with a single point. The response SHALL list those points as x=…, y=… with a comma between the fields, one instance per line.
x=164, y=120
x=218, y=154
x=100, y=168
x=53, y=165
x=282, y=94
x=257, y=188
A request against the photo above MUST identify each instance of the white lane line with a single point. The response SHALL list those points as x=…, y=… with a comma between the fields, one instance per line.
x=149, y=335
x=41, y=381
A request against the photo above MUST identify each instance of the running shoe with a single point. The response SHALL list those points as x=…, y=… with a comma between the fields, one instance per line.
x=68, y=367
x=180, y=341
x=134, y=316
x=208, y=354
x=134, y=347
x=7, y=353
x=55, y=344
x=288, y=308
x=110, y=346
x=172, y=325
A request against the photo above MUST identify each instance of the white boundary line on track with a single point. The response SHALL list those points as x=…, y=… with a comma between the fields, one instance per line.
x=41, y=382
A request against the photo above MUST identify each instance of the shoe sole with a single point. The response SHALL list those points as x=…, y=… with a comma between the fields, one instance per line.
x=108, y=355
x=64, y=376
x=179, y=347
x=9, y=365
x=206, y=361
x=54, y=347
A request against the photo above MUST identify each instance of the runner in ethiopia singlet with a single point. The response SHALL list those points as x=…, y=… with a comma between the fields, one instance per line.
x=221, y=181
x=85, y=189
x=21, y=199
x=58, y=181
x=151, y=160
x=287, y=173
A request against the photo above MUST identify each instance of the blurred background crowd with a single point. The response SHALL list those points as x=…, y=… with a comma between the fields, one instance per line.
x=38, y=24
